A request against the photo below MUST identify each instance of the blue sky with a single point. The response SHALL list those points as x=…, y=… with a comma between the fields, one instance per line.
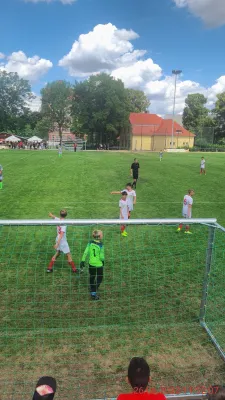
x=139, y=42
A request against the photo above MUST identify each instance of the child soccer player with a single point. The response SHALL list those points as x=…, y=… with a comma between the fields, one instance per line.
x=60, y=151
x=61, y=245
x=131, y=197
x=124, y=212
x=187, y=209
x=1, y=176
x=160, y=155
x=139, y=379
x=95, y=252
x=202, y=166
x=134, y=170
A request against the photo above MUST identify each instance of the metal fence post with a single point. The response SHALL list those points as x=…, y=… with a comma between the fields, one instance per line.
x=209, y=256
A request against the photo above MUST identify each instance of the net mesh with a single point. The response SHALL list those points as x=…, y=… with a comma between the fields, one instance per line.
x=149, y=306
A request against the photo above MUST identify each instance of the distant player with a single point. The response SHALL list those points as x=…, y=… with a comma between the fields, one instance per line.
x=202, y=166
x=134, y=171
x=131, y=197
x=61, y=245
x=60, y=151
x=187, y=209
x=95, y=253
x=160, y=155
x=124, y=212
x=1, y=176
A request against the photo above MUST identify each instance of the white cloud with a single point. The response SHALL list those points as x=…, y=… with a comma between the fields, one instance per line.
x=2, y=55
x=51, y=1
x=218, y=87
x=31, y=68
x=106, y=48
x=35, y=104
x=212, y=12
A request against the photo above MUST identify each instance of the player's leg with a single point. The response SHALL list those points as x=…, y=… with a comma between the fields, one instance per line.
x=71, y=262
x=187, y=228
x=99, y=276
x=52, y=262
x=134, y=184
x=93, y=285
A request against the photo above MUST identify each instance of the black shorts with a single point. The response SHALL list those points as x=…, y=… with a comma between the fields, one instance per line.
x=135, y=176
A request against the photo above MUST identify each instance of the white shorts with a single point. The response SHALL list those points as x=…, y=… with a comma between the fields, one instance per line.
x=131, y=207
x=64, y=248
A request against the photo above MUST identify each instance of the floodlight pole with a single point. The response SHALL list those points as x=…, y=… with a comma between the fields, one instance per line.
x=175, y=72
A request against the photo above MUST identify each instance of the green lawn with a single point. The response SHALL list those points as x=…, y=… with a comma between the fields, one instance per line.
x=151, y=293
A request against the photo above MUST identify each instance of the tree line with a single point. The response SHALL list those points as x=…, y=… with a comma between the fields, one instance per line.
x=97, y=107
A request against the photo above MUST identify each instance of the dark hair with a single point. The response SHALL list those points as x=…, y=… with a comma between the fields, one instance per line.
x=63, y=213
x=138, y=373
x=135, y=159
x=216, y=392
x=124, y=193
x=129, y=184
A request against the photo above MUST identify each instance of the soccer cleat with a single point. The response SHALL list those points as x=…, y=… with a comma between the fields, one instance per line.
x=188, y=232
x=49, y=270
x=95, y=297
x=124, y=234
x=178, y=230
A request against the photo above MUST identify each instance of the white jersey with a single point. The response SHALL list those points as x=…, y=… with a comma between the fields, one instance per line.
x=130, y=198
x=63, y=245
x=188, y=200
x=202, y=164
x=123, y=205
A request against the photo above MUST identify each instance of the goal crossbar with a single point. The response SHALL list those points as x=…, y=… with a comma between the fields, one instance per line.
x=166, y=221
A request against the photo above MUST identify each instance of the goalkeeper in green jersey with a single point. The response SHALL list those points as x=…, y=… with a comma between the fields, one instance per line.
x=95, y=253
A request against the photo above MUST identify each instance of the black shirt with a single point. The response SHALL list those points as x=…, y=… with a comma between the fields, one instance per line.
x=135, y=167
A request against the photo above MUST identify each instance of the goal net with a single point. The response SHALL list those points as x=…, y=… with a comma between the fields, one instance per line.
x=162, y=297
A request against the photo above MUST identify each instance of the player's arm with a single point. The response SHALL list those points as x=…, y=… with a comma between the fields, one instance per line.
x=59, y=240
x=131, y=171
x=115, y=192
x=86, y=253
x=121, y=215
x=51, y=215
x=189, y=209
x=135, y=198
x=102, y=254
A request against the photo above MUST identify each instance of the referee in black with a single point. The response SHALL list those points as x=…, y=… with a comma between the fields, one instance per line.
x=134, y=170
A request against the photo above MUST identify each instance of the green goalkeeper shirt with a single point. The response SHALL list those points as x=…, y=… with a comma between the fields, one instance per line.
x=95, y=252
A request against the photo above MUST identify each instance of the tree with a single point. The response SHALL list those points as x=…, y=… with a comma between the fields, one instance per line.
x=56, y=104
x=43, y=127
x=15, y=93
x=219, y=113
x=195, y=112
x=138, y=101
x=100, y=108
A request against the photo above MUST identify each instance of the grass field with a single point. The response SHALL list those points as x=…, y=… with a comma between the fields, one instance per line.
x=151, y=294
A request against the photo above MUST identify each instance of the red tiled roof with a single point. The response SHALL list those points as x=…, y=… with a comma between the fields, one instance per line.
x=165, y=129
x=145, y=119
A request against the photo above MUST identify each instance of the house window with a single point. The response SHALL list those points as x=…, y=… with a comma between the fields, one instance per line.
x=178, y=131
x=173, y=143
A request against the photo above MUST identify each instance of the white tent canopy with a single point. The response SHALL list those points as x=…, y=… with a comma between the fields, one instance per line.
x=12, y=138
x=35, y=139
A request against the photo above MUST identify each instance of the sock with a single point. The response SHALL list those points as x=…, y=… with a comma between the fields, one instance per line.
x=72, y=265
x=51, y=263
x=122, y=228
x=134, y=185
x=187, y=228
x=180, y=226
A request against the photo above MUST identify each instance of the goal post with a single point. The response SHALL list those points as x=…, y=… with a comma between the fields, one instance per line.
x=162, y=297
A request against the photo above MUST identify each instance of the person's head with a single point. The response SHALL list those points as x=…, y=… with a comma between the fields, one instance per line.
x=97, y=234
x=191, y=192
x=216, y=392
x=45, y=388
x=202, y=158
x=129, y=186
x=135, y=160
x=138, y=374
x=124, y=195
x=63, y=213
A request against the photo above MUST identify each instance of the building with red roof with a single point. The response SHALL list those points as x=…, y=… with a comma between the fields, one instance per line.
x=153, y=133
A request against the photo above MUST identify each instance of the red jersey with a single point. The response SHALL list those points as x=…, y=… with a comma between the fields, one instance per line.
x=141, y=396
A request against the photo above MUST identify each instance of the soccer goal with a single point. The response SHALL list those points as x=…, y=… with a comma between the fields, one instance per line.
x=162, y=297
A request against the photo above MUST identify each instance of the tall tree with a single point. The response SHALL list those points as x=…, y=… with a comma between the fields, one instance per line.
x=56, y=104
x=195, y=112
x=138, y=101
x=100, y=108
x=15, y=93
x=219, y=113
x=43, y=127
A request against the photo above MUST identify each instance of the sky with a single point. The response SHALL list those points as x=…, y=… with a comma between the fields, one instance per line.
x=138, y=41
